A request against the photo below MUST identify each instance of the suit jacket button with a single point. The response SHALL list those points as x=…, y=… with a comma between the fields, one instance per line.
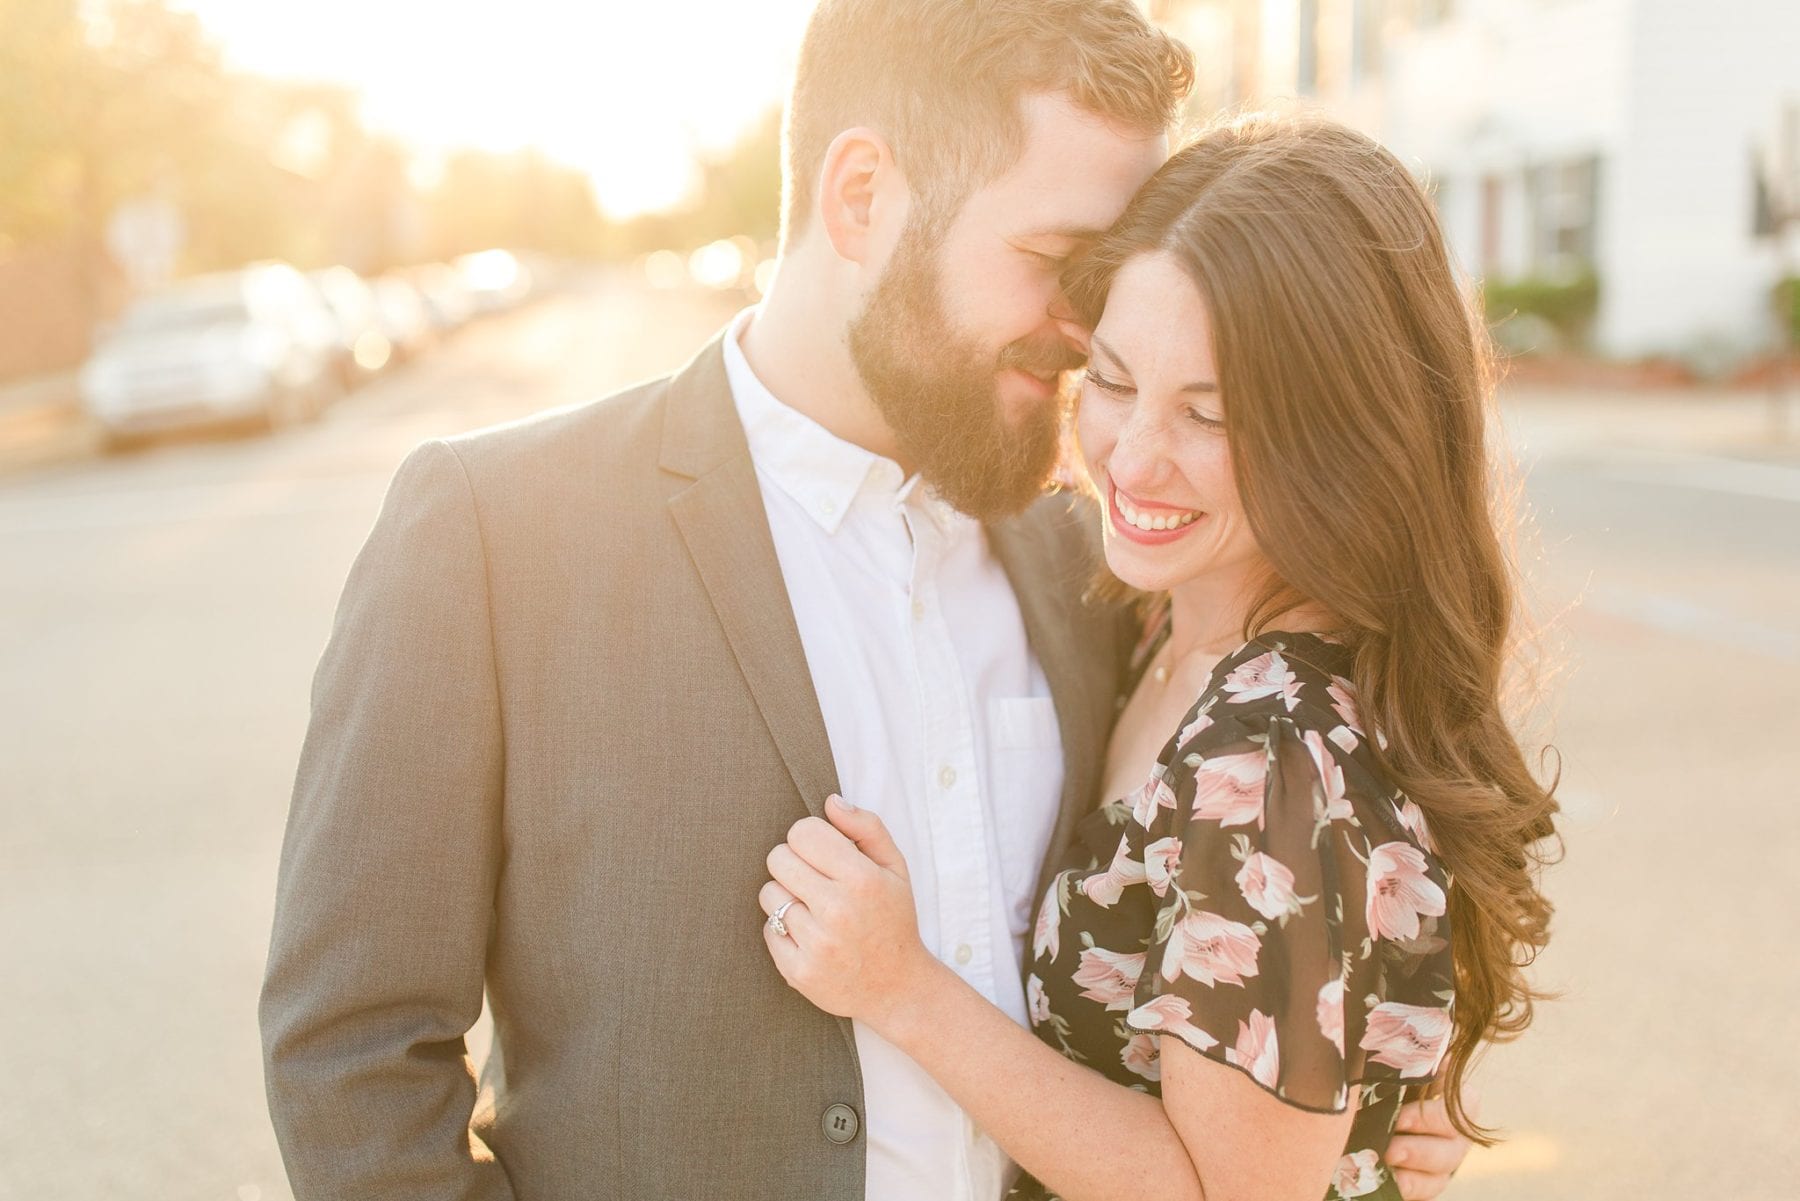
x=841, y=1123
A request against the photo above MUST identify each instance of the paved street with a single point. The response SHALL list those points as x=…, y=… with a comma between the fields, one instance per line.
x=164, y=611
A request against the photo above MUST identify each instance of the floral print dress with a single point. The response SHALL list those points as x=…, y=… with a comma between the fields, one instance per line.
x=1269, y=899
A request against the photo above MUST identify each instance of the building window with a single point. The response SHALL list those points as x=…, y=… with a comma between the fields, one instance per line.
x=1306, y=74
x=1366, y=17
x=1564, y=199
x=1493, y=223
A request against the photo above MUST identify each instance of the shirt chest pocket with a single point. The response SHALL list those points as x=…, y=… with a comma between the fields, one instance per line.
x=1028, y=780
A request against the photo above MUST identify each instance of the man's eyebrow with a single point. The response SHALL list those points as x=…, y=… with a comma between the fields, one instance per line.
x=1201, y=386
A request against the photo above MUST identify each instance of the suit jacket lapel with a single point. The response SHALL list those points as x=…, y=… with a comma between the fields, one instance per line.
x=726, y=532
x=1050, y=606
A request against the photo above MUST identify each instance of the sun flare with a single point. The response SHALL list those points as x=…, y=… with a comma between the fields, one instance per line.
x=631, y=94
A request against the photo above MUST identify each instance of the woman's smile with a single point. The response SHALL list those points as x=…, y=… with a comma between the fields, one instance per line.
x=1145, y=523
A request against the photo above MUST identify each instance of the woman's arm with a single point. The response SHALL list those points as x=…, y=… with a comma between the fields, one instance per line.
x=1086, y=1137
x=853, y=949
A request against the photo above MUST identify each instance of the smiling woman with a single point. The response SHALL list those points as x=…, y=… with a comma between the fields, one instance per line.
x=1285, y=417
x=628, y=93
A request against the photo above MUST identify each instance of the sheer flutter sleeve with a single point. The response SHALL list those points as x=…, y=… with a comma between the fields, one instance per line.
x=1297, y=934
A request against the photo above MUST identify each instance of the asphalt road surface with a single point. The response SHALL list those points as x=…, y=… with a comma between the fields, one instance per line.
x=163, y=613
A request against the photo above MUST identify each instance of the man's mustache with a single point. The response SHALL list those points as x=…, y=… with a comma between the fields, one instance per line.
x=1049, y=355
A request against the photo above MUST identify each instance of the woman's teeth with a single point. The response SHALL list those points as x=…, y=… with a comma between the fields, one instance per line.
x=1144, y=521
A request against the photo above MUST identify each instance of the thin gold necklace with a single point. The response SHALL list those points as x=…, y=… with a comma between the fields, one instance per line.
x=1160, y=672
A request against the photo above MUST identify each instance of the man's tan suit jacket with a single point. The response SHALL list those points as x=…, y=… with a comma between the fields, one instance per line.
x=563, y=715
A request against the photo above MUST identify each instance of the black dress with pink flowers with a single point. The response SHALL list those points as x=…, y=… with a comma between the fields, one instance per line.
x=1268, y=898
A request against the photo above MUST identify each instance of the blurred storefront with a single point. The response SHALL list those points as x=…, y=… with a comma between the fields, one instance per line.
x=1618, y=154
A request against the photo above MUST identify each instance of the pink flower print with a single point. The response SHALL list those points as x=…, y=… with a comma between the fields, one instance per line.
x=1046, y=939
x=1162, y=860
x=1142, y=1056
x=1344, y=737
x=1170, y=1014
x=1411, y=1038
x=1413, y=818
x=1154, y=795
x=1109, y=977
x=1400, y=891
x=1331, y=777
x=1229, y=789
x=1256, y=1050
x=1265, y=675
x=1330, y=1013
x=1268, y=886
x=1211, y=949
x=1193, y=730
x=1105, y=888
x=1037, y=1001
x=1343, y=703
x=1357, y=1175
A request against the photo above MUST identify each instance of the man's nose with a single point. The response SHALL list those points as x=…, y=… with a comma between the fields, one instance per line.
x=1070, y=326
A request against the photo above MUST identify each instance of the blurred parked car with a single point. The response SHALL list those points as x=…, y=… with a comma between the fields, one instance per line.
x=496, y=279
x=253, y=344
x=403, y=315
x=447, y=298
x=363, y=346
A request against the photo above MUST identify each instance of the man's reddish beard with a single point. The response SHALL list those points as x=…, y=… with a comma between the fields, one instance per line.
x=940, y=392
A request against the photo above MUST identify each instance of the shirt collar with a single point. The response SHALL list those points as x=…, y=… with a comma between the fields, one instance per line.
x=819, y=470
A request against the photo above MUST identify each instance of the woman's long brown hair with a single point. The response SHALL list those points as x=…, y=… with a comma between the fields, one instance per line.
x=1357, y=387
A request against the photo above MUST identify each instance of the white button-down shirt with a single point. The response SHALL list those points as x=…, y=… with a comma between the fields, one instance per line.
x=940, y=720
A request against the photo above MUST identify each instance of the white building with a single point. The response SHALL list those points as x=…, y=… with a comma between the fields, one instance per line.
x=1617, y=136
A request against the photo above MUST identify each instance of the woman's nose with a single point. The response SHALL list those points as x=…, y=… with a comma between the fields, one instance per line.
x=1137, y=458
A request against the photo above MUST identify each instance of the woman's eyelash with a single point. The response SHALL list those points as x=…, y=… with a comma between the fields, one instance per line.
x=1105, y=385
x=1117, y=389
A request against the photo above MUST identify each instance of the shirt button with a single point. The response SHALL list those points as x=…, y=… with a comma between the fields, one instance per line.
x=964, y=953
x=946, y=775
x=828, y=508
x=841, y=1123
x=918, y=610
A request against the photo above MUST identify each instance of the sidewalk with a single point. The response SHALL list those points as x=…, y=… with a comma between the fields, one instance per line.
x=1544, y=420
x=41, y=422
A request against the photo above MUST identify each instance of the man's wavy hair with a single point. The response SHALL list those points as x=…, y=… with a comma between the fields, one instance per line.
x=941, y=80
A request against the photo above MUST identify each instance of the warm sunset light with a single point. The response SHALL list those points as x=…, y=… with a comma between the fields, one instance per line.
x=899, y=600
x=627, y=92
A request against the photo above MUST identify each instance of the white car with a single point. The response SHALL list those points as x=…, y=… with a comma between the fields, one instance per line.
x=364, y=349
x=496, y=279
x=256, y=344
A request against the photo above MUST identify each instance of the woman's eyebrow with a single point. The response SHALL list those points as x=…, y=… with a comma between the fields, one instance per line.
x=1075, y=233
x=1109, y=352
x=1205, y=386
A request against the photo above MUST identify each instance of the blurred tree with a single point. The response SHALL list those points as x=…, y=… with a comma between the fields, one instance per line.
x=46, y=73
x=523, y=201
x=739, y=193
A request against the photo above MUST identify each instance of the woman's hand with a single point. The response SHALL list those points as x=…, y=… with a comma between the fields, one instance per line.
x=852, y=944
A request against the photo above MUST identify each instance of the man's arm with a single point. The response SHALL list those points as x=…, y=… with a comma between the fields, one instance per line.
x=1426, y=1149
x=388, y=871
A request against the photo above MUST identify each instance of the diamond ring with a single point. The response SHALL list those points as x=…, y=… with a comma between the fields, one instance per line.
x=775, y=918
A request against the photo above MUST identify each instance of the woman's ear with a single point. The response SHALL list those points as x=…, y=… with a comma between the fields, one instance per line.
x=856, y=192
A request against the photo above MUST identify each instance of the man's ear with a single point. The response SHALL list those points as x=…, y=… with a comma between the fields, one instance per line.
x=859, y=184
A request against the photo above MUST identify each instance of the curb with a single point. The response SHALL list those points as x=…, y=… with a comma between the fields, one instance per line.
x=42, y=422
